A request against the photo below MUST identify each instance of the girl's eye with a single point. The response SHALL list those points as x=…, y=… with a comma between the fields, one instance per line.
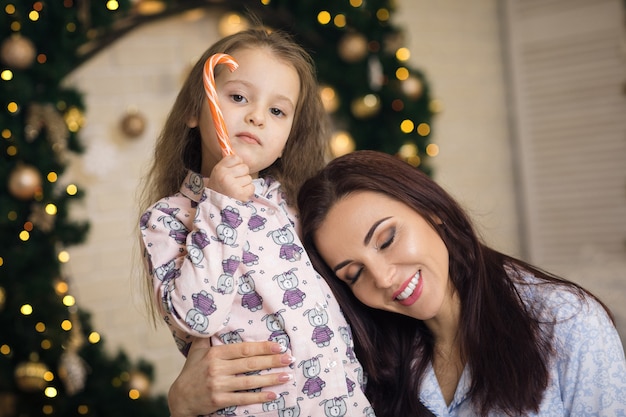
x=238, y=98
x=276, y=112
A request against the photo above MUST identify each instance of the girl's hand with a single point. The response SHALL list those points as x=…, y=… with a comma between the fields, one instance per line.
x=231, y=177
x=209, y=380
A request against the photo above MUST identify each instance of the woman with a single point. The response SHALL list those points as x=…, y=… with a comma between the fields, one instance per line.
x=435, y=311
x=442, y=323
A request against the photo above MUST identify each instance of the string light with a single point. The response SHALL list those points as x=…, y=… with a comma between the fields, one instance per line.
x=383, y=15
x=407, y=126
x=403, y=54
x=112, y=5
x=66, y=325
x=93, y=338
x=402, y=73
x=63, y=256
x=323, y=17
x=432, y=150
x=423, y=129
x=340, y=20
x=69, y=300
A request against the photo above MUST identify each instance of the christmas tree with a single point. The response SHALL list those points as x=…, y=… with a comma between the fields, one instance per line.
x=52, y=362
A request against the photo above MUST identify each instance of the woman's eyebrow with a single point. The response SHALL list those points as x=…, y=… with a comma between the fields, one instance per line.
x=366, y=241
x=370, y=232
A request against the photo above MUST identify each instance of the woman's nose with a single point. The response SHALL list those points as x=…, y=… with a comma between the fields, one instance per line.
x=381, y=274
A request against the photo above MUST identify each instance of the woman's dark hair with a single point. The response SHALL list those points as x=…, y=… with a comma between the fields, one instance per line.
x=500, y=339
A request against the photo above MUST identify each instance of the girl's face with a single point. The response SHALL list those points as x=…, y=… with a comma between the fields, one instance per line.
x=258, y=101
x=388, y=254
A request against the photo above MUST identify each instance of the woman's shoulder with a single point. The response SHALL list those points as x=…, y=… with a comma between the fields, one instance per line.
x=556, y=301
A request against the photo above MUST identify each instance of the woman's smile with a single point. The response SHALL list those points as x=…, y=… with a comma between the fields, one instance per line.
x=410, y=291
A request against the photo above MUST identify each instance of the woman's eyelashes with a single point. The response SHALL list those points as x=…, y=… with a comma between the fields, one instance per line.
x=387, y=239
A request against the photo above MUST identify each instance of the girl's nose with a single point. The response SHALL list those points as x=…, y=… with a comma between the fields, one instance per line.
x=255, y=117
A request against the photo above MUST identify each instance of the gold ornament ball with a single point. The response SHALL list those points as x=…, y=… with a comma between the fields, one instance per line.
x=30, y=376
x=330, y=99
x=18, y=52
x=24, y=182
x=133, y=124
x=413, y=87
x=3, y=299
x=352, y=47
x=366, y=106
x=341, y=143
x=140, y=382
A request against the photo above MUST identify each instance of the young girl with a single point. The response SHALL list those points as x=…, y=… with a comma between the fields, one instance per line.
x=221, y=243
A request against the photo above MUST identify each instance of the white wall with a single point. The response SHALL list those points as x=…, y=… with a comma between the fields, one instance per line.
x=457, y=45
x=454, y=43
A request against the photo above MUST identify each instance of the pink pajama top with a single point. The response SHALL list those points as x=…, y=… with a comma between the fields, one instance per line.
x=235, y=272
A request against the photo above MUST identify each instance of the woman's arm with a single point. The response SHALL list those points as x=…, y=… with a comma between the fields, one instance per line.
x=209, y=379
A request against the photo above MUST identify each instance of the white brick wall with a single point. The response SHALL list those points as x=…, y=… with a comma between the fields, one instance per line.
x=454, y=43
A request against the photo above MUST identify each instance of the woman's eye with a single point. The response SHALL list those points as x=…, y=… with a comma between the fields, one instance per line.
x=351, y=278
x=388, y=239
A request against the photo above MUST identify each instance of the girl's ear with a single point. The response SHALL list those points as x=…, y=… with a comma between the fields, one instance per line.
x=192, y=122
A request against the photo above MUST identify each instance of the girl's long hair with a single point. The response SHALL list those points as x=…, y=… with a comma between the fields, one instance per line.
x=501, y=341
x=178, y=147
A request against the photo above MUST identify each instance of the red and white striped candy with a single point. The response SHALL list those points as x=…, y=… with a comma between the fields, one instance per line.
x=211, y=92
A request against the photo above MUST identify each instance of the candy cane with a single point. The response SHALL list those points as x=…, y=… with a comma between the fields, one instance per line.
x=211, y=92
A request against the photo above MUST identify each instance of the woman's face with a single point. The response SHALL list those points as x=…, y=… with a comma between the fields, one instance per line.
x=387, y=253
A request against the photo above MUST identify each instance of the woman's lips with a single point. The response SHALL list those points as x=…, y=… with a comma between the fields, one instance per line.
x=410, y=291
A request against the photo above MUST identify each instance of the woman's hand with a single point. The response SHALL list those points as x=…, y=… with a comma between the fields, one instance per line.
x=209, y=380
